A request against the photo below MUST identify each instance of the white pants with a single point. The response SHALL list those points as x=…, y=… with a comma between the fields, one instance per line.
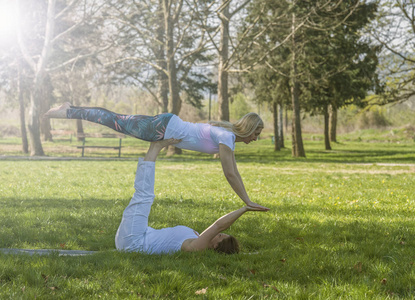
x=131, y=232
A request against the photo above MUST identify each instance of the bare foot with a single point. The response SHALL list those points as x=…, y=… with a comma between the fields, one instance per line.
x=58, y=112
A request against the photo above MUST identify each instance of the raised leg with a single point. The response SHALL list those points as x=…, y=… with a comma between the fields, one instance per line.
x=147, y=128
x=134, y=223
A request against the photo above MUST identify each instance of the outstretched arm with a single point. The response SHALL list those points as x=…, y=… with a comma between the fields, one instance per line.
x=221, y=224
x=230, y=170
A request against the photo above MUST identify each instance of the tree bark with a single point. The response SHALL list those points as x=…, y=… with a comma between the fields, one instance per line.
x=281, y=125
x=174, y=97
x=163, y=87
x=298, y=147
x=223, y=96
x=326, y=128
x=333, y=124
x=46, y=94
x=293, y=148
x=20, y=92
x=276, y=129
x=80, y=134
x=36, y=148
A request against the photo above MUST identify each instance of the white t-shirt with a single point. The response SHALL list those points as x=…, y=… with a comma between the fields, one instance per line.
x=199, y=137
x=167, y=240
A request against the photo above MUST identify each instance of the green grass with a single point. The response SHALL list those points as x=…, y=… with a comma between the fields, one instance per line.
x=364, y=146
x=340, y=226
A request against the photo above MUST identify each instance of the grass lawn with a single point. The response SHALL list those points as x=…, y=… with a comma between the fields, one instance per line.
x=341, y=225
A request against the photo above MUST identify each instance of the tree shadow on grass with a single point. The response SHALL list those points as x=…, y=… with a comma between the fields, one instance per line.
x=335, y=156
x=318, y=251
x=91, y=224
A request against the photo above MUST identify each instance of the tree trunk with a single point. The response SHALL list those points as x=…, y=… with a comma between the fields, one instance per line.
x=326, y=128
x=223, y=97
x=163, y=88
x=298, y=147
x=20, y=92
x=163, y=93
x=38, y=69
x=276, y=135
x=46, y=94
x=286, y=119
x=80, y=135
x=174, y=97
x=293, y=148
x=281, y=125
x=333, y=123
x=36, y=148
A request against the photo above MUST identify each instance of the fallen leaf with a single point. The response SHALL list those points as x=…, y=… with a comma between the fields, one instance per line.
x=45, y=277
x=275, y=289
x=252, y=272
x=201, y=292
x=383, y=281
x=402, y=242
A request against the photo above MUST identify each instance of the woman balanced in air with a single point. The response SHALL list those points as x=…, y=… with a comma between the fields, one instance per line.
x=213, y=137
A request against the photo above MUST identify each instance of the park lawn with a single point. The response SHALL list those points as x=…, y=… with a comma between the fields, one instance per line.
x=335, y=230
x=363, y=146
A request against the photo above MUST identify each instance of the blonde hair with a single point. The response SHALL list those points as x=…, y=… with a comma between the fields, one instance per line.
x=244, y=127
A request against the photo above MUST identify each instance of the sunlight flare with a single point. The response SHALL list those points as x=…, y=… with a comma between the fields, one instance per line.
x=8, y=21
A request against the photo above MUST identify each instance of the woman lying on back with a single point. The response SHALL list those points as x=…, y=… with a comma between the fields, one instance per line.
x=134, y=234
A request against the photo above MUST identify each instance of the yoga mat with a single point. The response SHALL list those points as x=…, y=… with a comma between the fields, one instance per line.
x=46, y=252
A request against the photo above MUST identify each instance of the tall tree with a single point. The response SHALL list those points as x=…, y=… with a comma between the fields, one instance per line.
x=264, y=83
x=162, y=47
x=226, y=13
x=13, y=80
x=39, y=44
x=290, y=33
x=21, y=94
x=344, y=69
x=394, y=31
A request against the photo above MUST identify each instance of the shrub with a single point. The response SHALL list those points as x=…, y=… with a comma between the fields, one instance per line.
x=373, y=118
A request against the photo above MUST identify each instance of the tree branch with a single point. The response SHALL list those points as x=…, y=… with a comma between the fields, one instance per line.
x=136, y=59
x=68, y=7
x=77, y=58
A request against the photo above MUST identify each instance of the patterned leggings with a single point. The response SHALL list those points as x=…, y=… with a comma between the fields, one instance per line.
x=145, y=128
